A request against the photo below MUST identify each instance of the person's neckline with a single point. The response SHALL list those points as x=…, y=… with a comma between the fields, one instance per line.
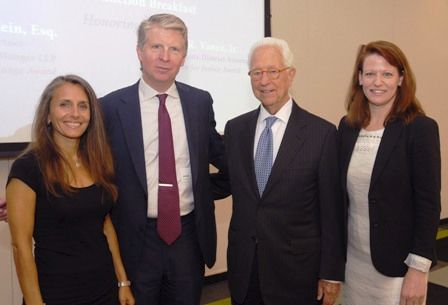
x=82, y=187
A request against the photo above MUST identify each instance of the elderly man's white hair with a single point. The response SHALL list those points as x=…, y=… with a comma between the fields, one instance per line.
x=281, y=44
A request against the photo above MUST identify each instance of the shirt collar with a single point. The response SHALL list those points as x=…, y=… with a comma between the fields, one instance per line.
x=147, y=92
x=283, y=114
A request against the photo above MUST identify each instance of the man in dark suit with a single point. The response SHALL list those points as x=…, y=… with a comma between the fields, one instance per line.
x=164, y=249
x=286, y=232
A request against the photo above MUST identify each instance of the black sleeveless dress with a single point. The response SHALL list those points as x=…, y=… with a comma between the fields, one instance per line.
x=73, y=260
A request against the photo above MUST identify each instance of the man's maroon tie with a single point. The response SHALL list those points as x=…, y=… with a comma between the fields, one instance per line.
x=168, y=218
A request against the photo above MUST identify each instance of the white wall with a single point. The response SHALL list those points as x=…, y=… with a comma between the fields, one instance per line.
x=325, y=35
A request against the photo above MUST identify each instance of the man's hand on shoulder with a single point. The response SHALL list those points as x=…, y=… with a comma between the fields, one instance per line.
x=3, y=210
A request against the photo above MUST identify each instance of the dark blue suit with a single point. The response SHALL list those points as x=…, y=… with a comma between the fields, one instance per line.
x=293, y=233
x=124, y=127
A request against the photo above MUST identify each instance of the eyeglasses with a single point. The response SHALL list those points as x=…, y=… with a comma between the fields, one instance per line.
x=257, y=74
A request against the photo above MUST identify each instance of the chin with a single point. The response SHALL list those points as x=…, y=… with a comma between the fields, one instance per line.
x=268, y=103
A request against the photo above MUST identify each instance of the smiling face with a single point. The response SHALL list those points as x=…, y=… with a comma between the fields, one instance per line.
x=161, y=57
x=69, y=113
x=272, y=93
x=379, y=81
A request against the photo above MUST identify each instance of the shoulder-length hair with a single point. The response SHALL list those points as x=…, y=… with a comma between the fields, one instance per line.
x=406, y=105
x=94, y=151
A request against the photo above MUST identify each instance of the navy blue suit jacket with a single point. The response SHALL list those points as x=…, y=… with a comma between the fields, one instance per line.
x=124, y=127
x=296, y=227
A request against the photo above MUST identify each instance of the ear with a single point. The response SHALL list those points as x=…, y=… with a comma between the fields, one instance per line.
x=183, y=60
x=139, y=53
x=360, y=78
x=400, y=81
x=291, y=74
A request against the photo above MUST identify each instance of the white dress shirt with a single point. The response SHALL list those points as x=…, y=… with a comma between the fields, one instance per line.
x=278, y=128
x=149, y=106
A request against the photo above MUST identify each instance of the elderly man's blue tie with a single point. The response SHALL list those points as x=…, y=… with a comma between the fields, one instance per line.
x=264, y=155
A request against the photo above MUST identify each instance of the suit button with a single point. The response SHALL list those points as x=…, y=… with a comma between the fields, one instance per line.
x=375, y=225
x=254, y=239
x=373, y=201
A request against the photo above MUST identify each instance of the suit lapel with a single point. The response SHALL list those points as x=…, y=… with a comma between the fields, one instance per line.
x=293, y=140
x=130, y=119
x=389, y=139
x=349, y=138
x=247, y=148
x=191, y=129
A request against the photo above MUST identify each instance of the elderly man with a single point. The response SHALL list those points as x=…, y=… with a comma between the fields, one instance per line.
x=286, y=233
x=162, y=134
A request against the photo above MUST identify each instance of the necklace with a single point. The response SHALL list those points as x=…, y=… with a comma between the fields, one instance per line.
x=77, y=163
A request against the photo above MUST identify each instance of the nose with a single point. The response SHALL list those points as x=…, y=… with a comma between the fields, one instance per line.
x=75, y=111
x=264, y=78
x=378, y=79
x=164, y=54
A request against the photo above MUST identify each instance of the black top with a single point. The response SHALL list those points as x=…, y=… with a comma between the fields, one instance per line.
x=73, y=260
